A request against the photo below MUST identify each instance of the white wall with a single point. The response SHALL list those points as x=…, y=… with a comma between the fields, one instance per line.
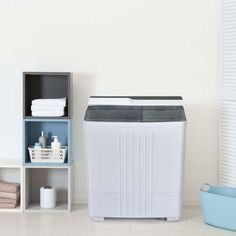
x=116, y=47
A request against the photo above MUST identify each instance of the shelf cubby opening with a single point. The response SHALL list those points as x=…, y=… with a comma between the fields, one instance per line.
x=38, y=177
x=12, y=175
x=45, y=85
x=33, y=128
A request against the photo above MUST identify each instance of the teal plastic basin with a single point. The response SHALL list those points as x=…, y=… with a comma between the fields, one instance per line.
x=219, y=206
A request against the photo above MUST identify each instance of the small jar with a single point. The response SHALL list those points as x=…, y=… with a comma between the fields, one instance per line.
x=37, y=150
x=47, y=197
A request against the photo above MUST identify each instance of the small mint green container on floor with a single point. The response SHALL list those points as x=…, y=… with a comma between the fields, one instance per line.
x=219, y=206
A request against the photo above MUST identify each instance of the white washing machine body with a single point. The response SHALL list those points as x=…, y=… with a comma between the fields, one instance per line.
x=135, y=157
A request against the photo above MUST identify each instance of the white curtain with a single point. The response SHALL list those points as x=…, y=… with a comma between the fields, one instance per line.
x=228, y=94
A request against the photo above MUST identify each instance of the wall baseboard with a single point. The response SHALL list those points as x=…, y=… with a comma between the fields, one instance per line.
x=187, y=202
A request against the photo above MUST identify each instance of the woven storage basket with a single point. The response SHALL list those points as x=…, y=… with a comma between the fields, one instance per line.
x=47, y=155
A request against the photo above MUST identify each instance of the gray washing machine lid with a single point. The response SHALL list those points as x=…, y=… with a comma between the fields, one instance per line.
x=110, y=113
x=143, y=97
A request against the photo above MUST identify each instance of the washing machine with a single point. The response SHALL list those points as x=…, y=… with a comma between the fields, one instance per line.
x=135, y=149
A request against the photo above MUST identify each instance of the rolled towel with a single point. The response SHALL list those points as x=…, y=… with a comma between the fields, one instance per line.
x=48, y=113
x=47, y=108
x=9, y=187
x=50, y=102
x=9, y=195
x=8, y=205
x=9, y=200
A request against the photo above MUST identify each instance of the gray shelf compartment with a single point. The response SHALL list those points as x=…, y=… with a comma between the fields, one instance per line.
x=51, y=127
x=38, y=177
x=46, y=85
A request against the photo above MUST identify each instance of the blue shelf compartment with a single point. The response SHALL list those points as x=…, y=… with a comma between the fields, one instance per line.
x=52, y=127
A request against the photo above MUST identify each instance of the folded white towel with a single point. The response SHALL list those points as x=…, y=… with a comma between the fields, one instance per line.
x=48, y=113
x=47, y=108
x=50, y=102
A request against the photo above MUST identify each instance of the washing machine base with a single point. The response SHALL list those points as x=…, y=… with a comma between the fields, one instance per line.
x=169, y=219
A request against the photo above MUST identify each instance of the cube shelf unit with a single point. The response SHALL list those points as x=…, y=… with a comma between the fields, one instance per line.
x=59, y=175
x=11, y=170
x=51, y=127
x=46, y=85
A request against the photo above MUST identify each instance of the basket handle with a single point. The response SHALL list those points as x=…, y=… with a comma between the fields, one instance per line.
x=205, y=187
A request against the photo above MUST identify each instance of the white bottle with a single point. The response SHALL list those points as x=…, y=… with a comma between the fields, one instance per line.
x=55, y=144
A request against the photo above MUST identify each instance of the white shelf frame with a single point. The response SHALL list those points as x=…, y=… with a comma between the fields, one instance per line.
x=14, y=164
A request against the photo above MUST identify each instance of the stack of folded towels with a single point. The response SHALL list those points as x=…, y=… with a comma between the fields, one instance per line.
x=9, y=194
x=48, y=107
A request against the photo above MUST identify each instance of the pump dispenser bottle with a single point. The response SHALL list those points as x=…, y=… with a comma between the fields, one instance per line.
x=56, y=144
